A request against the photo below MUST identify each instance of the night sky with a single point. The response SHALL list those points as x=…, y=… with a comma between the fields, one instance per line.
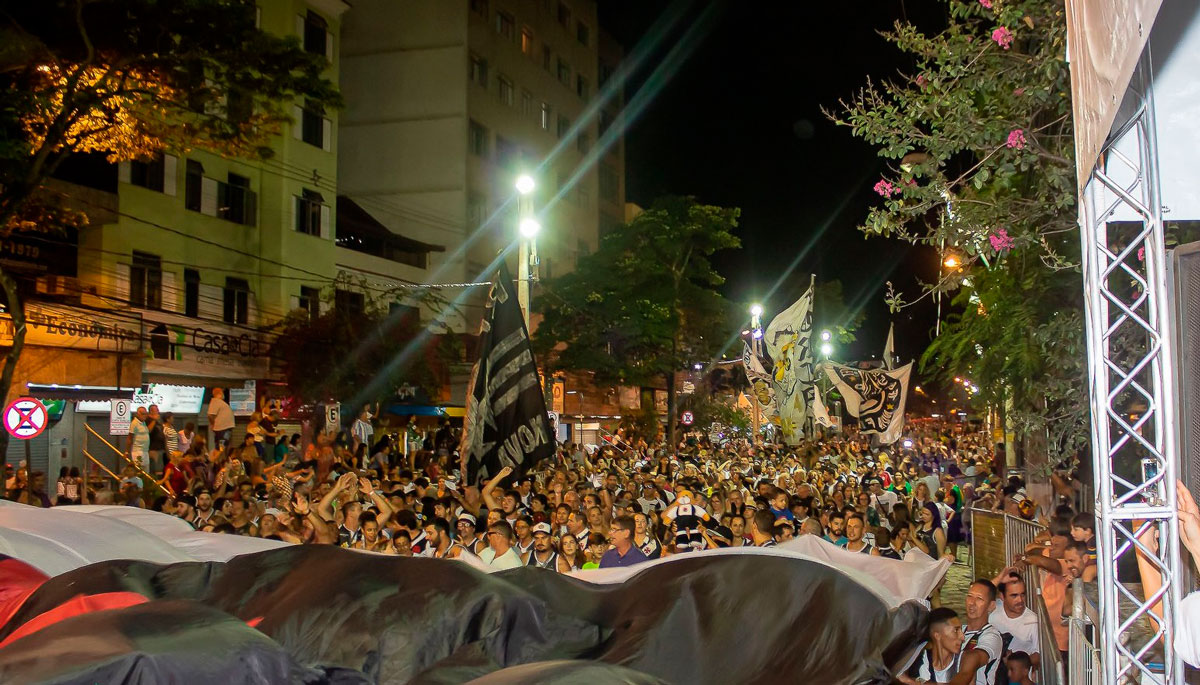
x=739, y=123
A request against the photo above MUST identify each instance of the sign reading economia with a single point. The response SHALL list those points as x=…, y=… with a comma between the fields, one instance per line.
x=25, y=418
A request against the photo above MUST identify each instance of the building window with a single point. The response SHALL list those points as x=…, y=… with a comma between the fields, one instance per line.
x=581, y=87
x=480, y=7
x=564, y=125
x=606, y=73
x=476, y=209
x=582, y=197
x=526, y=103
x=310, y=301
x=479, y=70
x=545, y=116
x=237, y=300
x=349, y=302
x=608, y=224
x=506, y=26
x=610, y=183
x=564, y=15
x=547, y=58
x=193, y=181
x=316, y=34
x=564, y=72
x=477, y=139
x=313, y=128
x=145, y=281
x=507, y=153
x=506, y=90
x=582, y=33
x=310, y=213
x=527, y=42
x=191, y=293
x=235, y=200
x=583, y=142
x=149, y=173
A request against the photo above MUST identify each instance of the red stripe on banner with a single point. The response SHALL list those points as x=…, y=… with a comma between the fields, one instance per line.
x=18, y=580
x=76, y=606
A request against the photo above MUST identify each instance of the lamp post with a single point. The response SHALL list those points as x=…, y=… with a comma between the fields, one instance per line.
x=756, y=335
x=528, y=228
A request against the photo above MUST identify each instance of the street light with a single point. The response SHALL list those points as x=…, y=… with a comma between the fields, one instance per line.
x=756, y=310
x=952, y=262
x=529, y=227
x=826, y=349
x=826, y=335
x=525, y=184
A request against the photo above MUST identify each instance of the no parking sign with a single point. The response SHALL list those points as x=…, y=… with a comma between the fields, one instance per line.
x=688, y=418
x=25, y=418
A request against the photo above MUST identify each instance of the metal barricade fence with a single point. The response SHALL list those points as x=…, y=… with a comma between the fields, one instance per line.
x=1083, y=659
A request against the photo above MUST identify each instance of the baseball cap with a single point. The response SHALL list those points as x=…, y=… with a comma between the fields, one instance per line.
x=467, y=517
x=543, y=528
x=271, y=511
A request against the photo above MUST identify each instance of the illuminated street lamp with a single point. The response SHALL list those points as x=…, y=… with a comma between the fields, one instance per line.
x=756, y=310
x=826, y=349
x=528, y=228
x=952, y=261
x=826, y=335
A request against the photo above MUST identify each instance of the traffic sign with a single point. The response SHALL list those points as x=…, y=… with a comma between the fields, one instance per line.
x=333, y=417
x=688, y=418
x=25, y=418
x=120, y=411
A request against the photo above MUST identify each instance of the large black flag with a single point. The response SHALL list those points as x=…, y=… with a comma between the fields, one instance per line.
x=506, y=424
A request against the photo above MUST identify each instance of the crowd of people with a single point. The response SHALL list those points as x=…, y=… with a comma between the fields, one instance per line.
x=618, y=504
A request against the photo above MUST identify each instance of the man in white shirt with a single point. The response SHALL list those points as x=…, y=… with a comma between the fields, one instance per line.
x=500, y=553
x=220, y=418
x=1014, y=618
x=886, y=498
x=139, y=438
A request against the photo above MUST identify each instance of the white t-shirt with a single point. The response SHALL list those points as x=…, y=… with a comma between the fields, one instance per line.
x=1187, y=630
x=1023, y=628
x=509, y=559
x=887, y=499
x=988, y=639
x=221, y=413
x=141, y=437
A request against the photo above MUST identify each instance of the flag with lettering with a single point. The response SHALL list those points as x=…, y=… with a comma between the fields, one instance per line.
x=875, y=397
x=506, y=423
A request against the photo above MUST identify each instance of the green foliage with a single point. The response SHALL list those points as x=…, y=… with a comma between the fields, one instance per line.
x=981, y=137
x=645, y=303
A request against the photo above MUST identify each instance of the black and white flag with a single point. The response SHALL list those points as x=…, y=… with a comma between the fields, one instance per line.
x=875, y=396
x=507, y=423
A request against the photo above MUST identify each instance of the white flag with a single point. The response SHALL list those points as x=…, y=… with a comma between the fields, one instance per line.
x=889, y=350
x=875, y=396
x=788, y=339
x=820, y=413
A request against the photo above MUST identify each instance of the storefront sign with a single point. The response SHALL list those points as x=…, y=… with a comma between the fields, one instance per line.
x=557, y=395
x=241, y=400
x=177, y=399
x=119, y=414
x=55, y=326
x=25, y=418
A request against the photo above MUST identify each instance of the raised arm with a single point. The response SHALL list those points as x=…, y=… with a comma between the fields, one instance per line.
x=385, y=507
x=491, y=485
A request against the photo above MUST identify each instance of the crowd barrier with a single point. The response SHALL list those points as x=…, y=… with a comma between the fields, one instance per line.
x=996, y=539
x=1083, y=659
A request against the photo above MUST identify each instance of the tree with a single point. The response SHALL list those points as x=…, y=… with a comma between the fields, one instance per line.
x=644, y=305
x=130, y=78
x=360, y=356
x=982, y=146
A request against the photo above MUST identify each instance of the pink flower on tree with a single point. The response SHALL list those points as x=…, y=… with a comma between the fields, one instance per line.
x=1018, y=91
x=1003, y=37
x=922, y=81
x=885, y=188
x=1001, y=241
x=987, y=4
x=1142, y=253
x=1016, y=139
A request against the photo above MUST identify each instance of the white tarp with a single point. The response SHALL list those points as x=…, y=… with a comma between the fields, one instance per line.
x=1104, y=42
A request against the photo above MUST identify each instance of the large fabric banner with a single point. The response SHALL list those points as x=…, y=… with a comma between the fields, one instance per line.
x=760, y=381
x=875, y=396
x=507, y=423
x=788, y=339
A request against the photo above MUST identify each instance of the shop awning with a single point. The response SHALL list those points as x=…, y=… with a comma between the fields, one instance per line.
x=426, y=410
x=54, y=391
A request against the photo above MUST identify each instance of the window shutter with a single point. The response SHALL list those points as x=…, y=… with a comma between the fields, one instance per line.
x=329, y=46
x=121, y=282
x=326, y=232
x=124, y=172
x=326, y=134
x=300, y=27
x=296, y=209
x=170, y=294
x=208, y=196
x=170, y=166
x=298, y=124
x=251, y=309
x=293, y=303
x=324, y=306
x=212, y=302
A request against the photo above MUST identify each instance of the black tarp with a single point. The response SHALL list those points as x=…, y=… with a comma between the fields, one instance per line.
x=324, y=614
